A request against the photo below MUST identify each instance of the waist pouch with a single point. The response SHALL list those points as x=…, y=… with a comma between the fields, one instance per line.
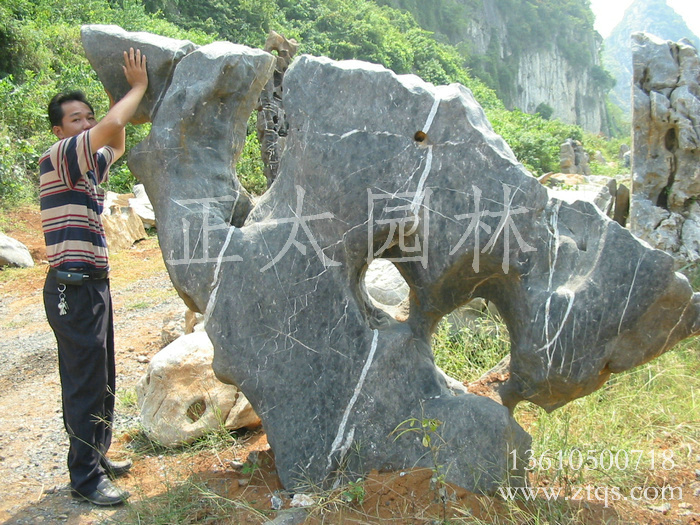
x=74, y=278
x=77, y=277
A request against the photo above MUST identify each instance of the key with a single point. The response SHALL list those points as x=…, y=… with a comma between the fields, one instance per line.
x=62, y=304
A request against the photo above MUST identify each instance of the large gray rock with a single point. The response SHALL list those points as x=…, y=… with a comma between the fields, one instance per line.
x=14, y=253
x=666, y=134
x=567, y=157
x=104, y=48
x=412, y=173
x=573, y=158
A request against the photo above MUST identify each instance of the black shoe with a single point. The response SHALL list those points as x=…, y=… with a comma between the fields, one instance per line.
x=114, y=469
x=105, y=495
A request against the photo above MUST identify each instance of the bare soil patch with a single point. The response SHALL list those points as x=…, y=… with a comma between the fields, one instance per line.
x=198, y=483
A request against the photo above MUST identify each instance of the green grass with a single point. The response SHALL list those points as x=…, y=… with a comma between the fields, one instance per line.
x=189, y=502
x=126, y=401
x=640, y=430
x=640, y=424
x=468, y=352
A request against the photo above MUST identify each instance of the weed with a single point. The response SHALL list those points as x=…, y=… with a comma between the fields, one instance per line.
x=354, y=492
x=250, y=467
x=192, y=502
x=433, y=441
x=215, y=440
x=127, y=400
x=138, y=305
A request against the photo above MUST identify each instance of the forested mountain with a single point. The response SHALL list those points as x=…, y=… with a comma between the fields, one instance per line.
x=538, y=55
x=652, y=16
x=41, y=53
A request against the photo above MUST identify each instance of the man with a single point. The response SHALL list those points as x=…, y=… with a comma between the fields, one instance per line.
x=76, y=293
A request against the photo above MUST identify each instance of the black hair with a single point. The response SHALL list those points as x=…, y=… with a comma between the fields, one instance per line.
x=55, y=109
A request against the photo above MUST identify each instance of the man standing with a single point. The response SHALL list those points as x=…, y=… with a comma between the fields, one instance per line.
x=76, y=293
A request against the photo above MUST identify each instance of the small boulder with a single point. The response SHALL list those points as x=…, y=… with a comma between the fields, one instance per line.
x=624, y=149
x=14, y=253
x=599, y=158
x=122, y=226
x=384, y=283
x=142, y=207
x=180, y=398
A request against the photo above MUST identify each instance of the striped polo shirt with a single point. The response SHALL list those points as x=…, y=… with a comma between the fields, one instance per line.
x=72, y=201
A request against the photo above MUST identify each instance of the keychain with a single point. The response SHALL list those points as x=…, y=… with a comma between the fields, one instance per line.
x=62, y=304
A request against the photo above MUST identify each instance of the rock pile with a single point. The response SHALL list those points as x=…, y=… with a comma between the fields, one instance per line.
x=573, y=158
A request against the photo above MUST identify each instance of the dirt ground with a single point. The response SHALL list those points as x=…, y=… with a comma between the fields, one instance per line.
x=33, y=477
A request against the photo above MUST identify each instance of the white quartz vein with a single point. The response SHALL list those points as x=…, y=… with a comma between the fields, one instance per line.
x=216, y=280
x=553, y=340
x=356, y=394
x=431, y=116
x=420, y=191
x=554, y=252
x=680, y=320
x=629, y=294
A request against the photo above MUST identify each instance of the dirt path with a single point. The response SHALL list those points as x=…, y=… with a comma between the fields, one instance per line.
x=33, y=444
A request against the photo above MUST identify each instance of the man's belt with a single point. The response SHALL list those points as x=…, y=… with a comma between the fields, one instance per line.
x=77, y=277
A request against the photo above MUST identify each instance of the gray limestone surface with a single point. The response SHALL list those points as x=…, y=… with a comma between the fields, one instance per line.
x=666, y=154
x=377, y=165
x=104, y=47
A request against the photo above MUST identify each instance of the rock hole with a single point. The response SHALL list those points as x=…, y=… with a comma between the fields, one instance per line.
x=250, y=165
x=420, y=136
x=472, y=346
x=671, y=144
x=387, y=289
x=671, y=140
x=196, y=410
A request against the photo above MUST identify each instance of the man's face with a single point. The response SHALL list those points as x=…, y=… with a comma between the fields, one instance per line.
x=77, y=117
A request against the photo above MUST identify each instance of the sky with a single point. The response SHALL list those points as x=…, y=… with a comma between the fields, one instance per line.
x=608, y=13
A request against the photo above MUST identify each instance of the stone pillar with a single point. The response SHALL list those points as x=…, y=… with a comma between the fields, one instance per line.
x=666, y=146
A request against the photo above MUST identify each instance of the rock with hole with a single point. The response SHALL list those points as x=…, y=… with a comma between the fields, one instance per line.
x=180, y=398
x=379, y=165
x=666, y=154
